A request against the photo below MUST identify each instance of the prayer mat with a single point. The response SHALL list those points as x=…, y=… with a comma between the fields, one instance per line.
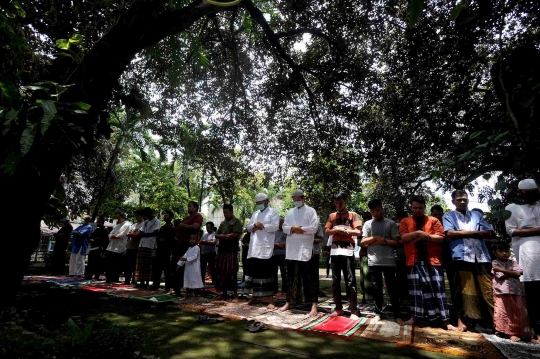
x=239, y=311
x=465, y=344
x=156, y=298
x=328, y=306
x=388, y=331
x=514, y=350
x=55, y=279
x=337, y=326
x=291, y=319
x=93, y=288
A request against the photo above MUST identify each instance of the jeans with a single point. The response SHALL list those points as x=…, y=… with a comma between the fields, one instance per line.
x=376, y=276
x=344, y=264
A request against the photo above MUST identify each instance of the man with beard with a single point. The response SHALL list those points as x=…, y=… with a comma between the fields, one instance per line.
x=524, y=228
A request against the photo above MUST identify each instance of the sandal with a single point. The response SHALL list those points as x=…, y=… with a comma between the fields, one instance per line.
x=249, y=324
x=205, y=319
x=258, y=327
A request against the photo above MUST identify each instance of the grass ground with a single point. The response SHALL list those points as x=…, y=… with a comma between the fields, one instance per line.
x=168, y=332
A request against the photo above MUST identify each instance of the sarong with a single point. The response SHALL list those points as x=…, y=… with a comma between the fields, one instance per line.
x=76, y=264
x=511, y=316
x=427, y=292
x=227, y=267
x=260, y=280
x=143, y=270
x=298, y=275
x=473, y=286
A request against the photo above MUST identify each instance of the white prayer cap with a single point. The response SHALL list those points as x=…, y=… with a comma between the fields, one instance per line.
x=260, y=197
x=298, y=192
x=527, y=184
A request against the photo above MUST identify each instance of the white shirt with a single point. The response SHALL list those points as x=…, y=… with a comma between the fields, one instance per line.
x=261, y=243
x=299, y=247
x=526, y=249
x=149, y=226
x=118, y=245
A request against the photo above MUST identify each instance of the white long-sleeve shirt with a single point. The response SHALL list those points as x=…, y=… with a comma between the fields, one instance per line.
x=299, y=247
x=261, y=243
x=118, y=245
x=526, y=249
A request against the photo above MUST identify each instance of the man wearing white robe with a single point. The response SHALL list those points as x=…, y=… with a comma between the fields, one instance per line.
x=524, y=228
x=300, y=225
x=262, y=226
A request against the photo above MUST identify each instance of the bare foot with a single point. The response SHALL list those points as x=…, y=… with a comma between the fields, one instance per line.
x=354, y=317
x=313, y=312
x=451, y=327
x=285, y=307
x=271, y=306
x=461, y=326
x=514, y=338
x=234, y=299
x=535, y=341
x=252, y=301
x=336, y=313
x=408, y=322
x=377, y=318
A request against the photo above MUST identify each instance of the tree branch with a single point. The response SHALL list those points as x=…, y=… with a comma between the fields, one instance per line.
x=258, y=16
x=315, y=32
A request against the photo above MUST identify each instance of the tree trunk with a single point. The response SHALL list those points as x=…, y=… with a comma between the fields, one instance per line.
x=28, y=190
x=112, y=163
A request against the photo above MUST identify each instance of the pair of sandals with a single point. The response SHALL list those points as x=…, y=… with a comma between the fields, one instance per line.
x=254, y=326
x=205, y=319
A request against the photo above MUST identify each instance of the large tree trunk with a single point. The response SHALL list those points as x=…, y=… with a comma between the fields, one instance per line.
x=28, y=190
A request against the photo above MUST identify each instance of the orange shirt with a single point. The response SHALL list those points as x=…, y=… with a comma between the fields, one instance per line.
x=431, y=226
x=348, y=219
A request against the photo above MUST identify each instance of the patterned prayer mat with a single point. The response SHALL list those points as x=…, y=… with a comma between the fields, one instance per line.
x=55, y=279
x=465, y=344
x=388, y=331
x=292, y=319
x=514, y=350
x=239, y=311
x=337, y=326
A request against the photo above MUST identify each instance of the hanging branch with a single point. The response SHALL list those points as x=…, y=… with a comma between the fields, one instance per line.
x=258, y=16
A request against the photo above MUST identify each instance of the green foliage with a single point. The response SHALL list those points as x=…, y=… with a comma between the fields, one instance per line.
x=78, y=335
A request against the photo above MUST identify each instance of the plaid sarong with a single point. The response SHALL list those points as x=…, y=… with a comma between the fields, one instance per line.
x=260, y=281
x=143, y=270
x=427, y=292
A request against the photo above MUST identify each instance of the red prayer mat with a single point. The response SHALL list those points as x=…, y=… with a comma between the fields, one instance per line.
x=338, y=326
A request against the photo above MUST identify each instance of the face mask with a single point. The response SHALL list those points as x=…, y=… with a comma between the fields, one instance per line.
x=260, y=207
x=298, y=204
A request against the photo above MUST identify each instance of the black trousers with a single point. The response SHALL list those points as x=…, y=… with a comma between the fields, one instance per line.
x=209, y=259
x=301, y=283
x=130, y=264
x=327, y=256
x=532, y=293
x=280, y=264
x=115, y=263
x=162, y=263
x=314, y=270
x=376, y=275
x=344, y=264
x=94, y=267
x=402, y=281
x=59, y=256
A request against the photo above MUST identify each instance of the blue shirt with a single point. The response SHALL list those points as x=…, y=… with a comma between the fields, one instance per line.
x=467, y=249
x=81, y=242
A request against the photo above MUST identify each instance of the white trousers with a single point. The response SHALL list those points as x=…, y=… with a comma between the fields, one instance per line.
x=76, y=263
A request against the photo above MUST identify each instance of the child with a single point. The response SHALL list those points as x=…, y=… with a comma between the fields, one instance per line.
x=510, y=318
x=192, y=261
